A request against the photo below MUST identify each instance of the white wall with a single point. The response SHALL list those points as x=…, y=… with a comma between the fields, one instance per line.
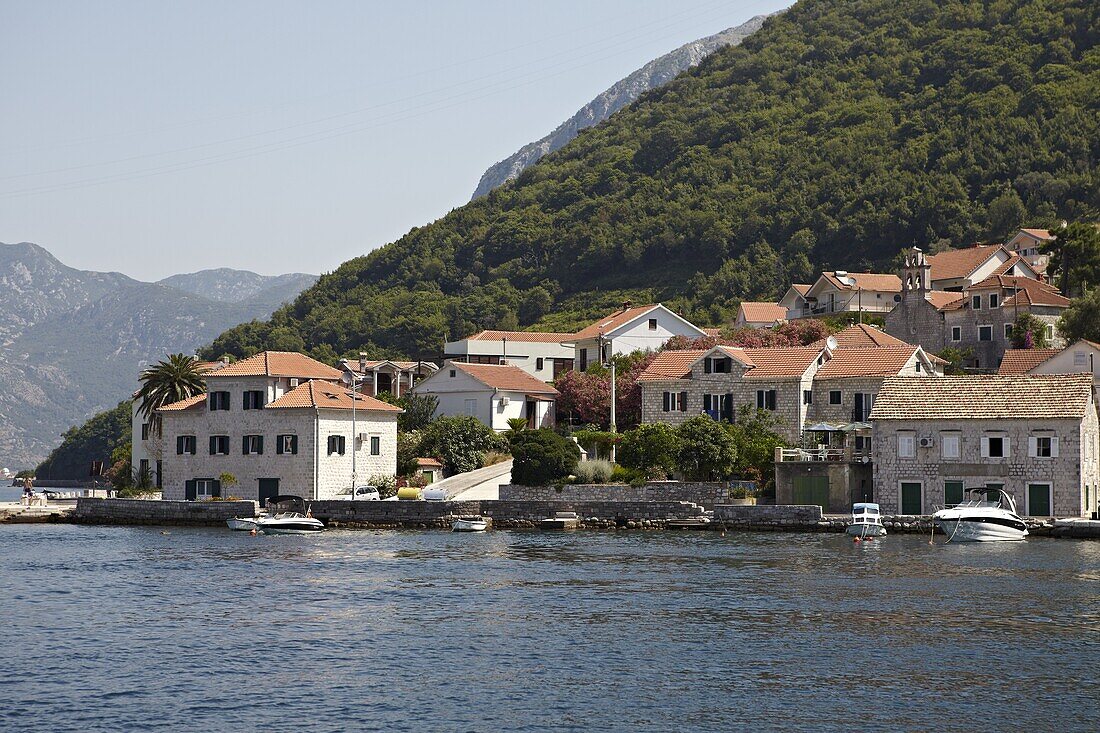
x=523, y=354
x=637, y=336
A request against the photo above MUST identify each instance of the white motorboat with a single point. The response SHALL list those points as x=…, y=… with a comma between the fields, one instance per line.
x=242, y=524
x=290, y=523
x=866, y=521
x=988, y=516
x=474, y=523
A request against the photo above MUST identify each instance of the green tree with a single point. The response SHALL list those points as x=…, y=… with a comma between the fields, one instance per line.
x=1029, y=332
x=408, y=450
x=707, y=451
x=419, y=411
x=756, y=436
x=542, y=457
x=1075, y=257
x=1082, y=319
x=651, y=448
x=97, y=440
x=956, y=359
x=170, y=380
x=460, y=442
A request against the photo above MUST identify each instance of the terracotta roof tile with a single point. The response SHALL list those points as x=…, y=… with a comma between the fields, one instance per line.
x=1001, y=281
x=505, y=377
x=960, y=263
x=278, y=364
x=1022, y=361
x=943, y=299
x=1038, y=233
x=758, y=312
x=318, y=393
x=611, y=322
x=801, y=288
x=860, y=335
x=1036, y=297
x=670, y=365
x=186, y=404
x=781, y=363
x=994, y=397
x=883, y=282
x=531, y=337
x=875, y=361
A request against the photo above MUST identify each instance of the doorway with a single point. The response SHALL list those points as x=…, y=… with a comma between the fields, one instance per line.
x=268, y=489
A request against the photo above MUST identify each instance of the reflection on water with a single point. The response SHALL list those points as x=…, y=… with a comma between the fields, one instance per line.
x=129, y=628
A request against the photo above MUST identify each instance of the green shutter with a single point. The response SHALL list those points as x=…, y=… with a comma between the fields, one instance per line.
x=189, y=490
x=216, y=489
x=1038, y=500
x=179, y=445
x=244, y=445
x=213, y=444
x=294, y=445
x=910, y=498
x=260, y=445
x=279, y=445
x=952, y=492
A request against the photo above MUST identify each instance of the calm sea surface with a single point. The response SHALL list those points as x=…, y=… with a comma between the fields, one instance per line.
x=122, y=629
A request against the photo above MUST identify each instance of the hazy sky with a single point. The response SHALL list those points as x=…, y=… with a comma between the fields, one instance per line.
x=154, y=137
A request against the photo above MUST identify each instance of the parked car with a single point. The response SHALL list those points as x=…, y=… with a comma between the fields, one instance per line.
x=362, y=493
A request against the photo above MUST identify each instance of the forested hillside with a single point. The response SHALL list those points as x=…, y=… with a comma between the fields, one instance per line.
x=839, y=133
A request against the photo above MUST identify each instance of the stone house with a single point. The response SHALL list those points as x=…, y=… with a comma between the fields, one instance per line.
x=278, y=423
x=541, y=354
x=1080, y=356
x=719, y=381
x=850, y=292
x=759, y=315
x=957, y=269
x=1033, y=436
x=632, y=328
x=394, y=377
x=493, y=393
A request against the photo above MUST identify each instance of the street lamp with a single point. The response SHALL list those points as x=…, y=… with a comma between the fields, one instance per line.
x=609, y=362
x=349, y=379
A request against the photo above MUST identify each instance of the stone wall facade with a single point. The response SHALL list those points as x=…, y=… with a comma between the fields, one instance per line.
x=705, y=494
x=171, y=513
x=916, y=321
x=1073, y=477
x=988, y=354
x=792, y=513
x=848, y=482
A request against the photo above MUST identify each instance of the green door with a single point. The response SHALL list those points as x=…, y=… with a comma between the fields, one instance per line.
x=911, y=498
x=952, y=493
x=1038, y=500
x=269, y=487
x=811, y=490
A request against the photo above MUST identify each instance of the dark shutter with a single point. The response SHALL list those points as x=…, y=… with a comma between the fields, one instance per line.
x=179, y=445
x=279, y=444
x=727, y=407
x=729, y=365
x=857, y=412
x=683, y=401
x=294, y=445
x=771, y=399
x=213, y=444
x=706, y=365
x=244, y=445
x=706, y=403
x=259, y=445
x=189, y=490
x=666, y=396
x=216, y=489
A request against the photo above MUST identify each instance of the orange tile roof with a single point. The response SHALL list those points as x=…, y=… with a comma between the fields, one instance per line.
x=882, y=282
x=318, y=393
x=960, y=263
x=611, y=322
x=992, y=397
x=861, y=335
x=428, y=463
x=670, y=365
x=505, y=377
x=278, y=364
x=801, y=288
x=1037, y=297
x=1028, y=291
x=758, y=312
x=398, y=364
x=995, y=282
x=186, y=404
x=875, y=361
x=1011, y=262
x=1038, y=233
x=1022, y=361
x=531, y=337
x=716, y=332
x=942, y=299
x=781, y=363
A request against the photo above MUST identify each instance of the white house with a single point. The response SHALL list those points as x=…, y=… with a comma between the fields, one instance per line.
x=958, y=269
x=394, y=377
x=277, y=423
x=541, y=354
x=1026, y=243
x=755, y=314
x=632, y=328
x=794, y=301
x=851, y=292
x=493, y=393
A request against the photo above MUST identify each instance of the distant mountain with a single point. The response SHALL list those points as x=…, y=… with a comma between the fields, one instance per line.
x=656, y=73
x=74, y=341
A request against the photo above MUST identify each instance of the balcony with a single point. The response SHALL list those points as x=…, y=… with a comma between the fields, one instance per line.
x=823, y=455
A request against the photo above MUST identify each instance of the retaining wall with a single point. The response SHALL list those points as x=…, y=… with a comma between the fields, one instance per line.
x=392, y=514
x=705, y=494
x=177, y=513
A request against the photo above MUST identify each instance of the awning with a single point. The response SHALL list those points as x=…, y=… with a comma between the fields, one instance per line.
x=856, y=426
x=540, y=397
x=825, y=427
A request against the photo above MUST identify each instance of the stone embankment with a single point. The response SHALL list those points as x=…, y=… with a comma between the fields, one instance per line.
x=157, y=512
x=707, y=494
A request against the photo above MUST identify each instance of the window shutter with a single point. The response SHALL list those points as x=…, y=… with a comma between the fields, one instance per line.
x=213, y=445
x=727, y=407
x=665, y=396
x=706, y=365
x=260, y=445
x=294, y=445
x=279, y=444
x=179, y=445
x=683, y=401
x=706, y=402
x=1007, y=444
x=985, y=447
x=189, y=490
x=1032, y=446
x=759, y=399
x=216, y=488
x=729, y=365
x=1054, y=447
x=244, y=445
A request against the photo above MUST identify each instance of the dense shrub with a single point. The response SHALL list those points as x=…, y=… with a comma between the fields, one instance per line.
x=594, y=472
x=542, y=457
x=651, y=448
x=460, y=442
x=707, y=451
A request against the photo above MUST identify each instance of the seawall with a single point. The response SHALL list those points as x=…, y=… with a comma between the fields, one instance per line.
x=176, y=513
x=707, y=494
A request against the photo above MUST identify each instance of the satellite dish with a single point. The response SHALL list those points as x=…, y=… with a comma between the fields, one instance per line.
x=830, y=343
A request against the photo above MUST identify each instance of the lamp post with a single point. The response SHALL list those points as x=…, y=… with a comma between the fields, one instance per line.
x=349, y=379
x=609, y=361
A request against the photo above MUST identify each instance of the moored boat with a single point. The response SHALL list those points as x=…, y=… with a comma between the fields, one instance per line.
x=473, y=523
x=242, y=524
x=561, y=520
x=290, y=523
x=988, y=516
x=866, y=521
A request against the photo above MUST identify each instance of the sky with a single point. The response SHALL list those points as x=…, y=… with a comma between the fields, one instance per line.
x=152, y=138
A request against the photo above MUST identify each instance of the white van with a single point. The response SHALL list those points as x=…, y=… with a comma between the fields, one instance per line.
x=362, y=493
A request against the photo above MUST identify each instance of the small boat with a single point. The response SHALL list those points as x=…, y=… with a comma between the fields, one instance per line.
x=866, y=521
x=561, y=520
x=289, y=523
x=473, y=523
x=692, y=523
x=242, y=524
x=988, y=516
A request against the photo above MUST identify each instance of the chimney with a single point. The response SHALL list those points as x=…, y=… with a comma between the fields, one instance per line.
x=627, y=305
x=362, y=362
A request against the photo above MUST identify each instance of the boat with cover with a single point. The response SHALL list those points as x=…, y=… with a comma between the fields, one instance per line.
x=242, y=524
x=290, y=523
x=989, y=515
x=473, y=523
x=866, y=521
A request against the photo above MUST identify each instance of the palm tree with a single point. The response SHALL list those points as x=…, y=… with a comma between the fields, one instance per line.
x=174, y=379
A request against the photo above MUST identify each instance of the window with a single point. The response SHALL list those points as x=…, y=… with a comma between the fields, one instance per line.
x=1080, y=359
x=186, y=445
x=375, y=445
x=765, y=399
x=976, y=302
x=452, y=374
x=286, y=444
x=995, y=446
x=956, y=333
x=917, y=366
x=652, y=324
x=253, y=399
x=1008, y=330
x=252, y=445
x=718, y=365
x=1050, y=330
x=985, y=333
x=219, y=401
x=834, y=397
x=1042, y=446
x=470, y=407
x=864, y=401
x=539, y=364
x=219, y=445
x=206, y=488
x=950, y=445
x=336, y=444
x=674, y=401
x=952, y=493
x=907, y=445
x=807, y=396
x=994, y=300
x=145, y=431
x=143, y=468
